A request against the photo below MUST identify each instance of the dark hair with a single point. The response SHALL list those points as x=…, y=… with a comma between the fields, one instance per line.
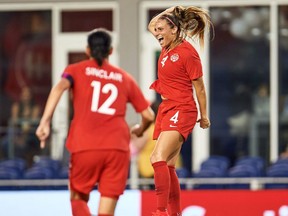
x=191, y=21
x=99, y=42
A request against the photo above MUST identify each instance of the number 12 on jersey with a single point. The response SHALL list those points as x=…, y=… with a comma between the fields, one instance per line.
x=105, y=108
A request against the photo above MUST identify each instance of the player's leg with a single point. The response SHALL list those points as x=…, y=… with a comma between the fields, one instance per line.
x=107, y=206
x=79, y=204
x=174, y=195
x=187, y=122
x=83, y=175
x=167, y=147
x=113, y=180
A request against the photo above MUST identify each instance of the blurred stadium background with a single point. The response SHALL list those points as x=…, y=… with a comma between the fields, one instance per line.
x=245, y=66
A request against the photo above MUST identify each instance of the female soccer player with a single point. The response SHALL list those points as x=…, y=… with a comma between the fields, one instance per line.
x=99, y=136
x=179, y=70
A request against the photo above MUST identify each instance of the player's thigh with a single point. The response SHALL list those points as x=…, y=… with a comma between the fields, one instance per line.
x=167, y=146
x=85, y=170
x=114, y=176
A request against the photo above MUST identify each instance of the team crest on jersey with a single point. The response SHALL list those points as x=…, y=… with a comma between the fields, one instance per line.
x=174, y=57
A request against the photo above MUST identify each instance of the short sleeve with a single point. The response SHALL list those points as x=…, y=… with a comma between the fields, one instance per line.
x=68, y=74
x=194, y=66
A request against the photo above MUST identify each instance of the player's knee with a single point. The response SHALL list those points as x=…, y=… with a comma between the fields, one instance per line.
x=156, y=156
x=79, y=196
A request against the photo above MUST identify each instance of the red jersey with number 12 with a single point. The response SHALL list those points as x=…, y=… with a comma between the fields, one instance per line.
x=100, y=97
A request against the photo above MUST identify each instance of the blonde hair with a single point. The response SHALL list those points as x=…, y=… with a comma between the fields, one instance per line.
x=191, y=22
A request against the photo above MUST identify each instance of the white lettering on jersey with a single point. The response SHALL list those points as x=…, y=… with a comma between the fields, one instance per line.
x=164, y=60
x=105, y=108
x=103, y=74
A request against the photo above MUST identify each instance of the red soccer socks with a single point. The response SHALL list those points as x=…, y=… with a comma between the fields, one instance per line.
x=174, y=196
x=162, y=184
x=80, y=208
x=160, y=213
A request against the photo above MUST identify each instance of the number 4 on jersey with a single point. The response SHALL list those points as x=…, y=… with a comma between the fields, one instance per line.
x=105, y=107
x=174, y=118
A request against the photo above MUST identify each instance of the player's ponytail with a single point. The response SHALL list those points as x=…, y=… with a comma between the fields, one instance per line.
x=193, y=22
x=99, y=42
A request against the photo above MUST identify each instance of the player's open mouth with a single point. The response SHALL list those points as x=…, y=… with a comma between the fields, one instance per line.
x=160, y=39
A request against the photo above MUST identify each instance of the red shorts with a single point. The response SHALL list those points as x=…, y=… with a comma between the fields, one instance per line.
x=108, y=168
x=173, y=116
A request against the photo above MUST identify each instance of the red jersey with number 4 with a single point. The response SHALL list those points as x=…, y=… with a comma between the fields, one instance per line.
x=100, y=97
x=176, y=70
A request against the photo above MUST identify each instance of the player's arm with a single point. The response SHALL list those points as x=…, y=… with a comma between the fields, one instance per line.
x=152, y=23
x=43, y=130
x=147, y=117
x=202, y=100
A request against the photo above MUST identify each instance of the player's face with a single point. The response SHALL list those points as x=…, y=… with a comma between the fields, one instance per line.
x=164, y=34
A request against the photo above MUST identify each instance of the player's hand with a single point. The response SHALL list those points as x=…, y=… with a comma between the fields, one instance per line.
x=204, y=123
x=137, y=130
x=42, y=132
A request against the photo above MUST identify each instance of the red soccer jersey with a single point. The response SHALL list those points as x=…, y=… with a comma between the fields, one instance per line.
x=100, y=96
x=176, y=70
